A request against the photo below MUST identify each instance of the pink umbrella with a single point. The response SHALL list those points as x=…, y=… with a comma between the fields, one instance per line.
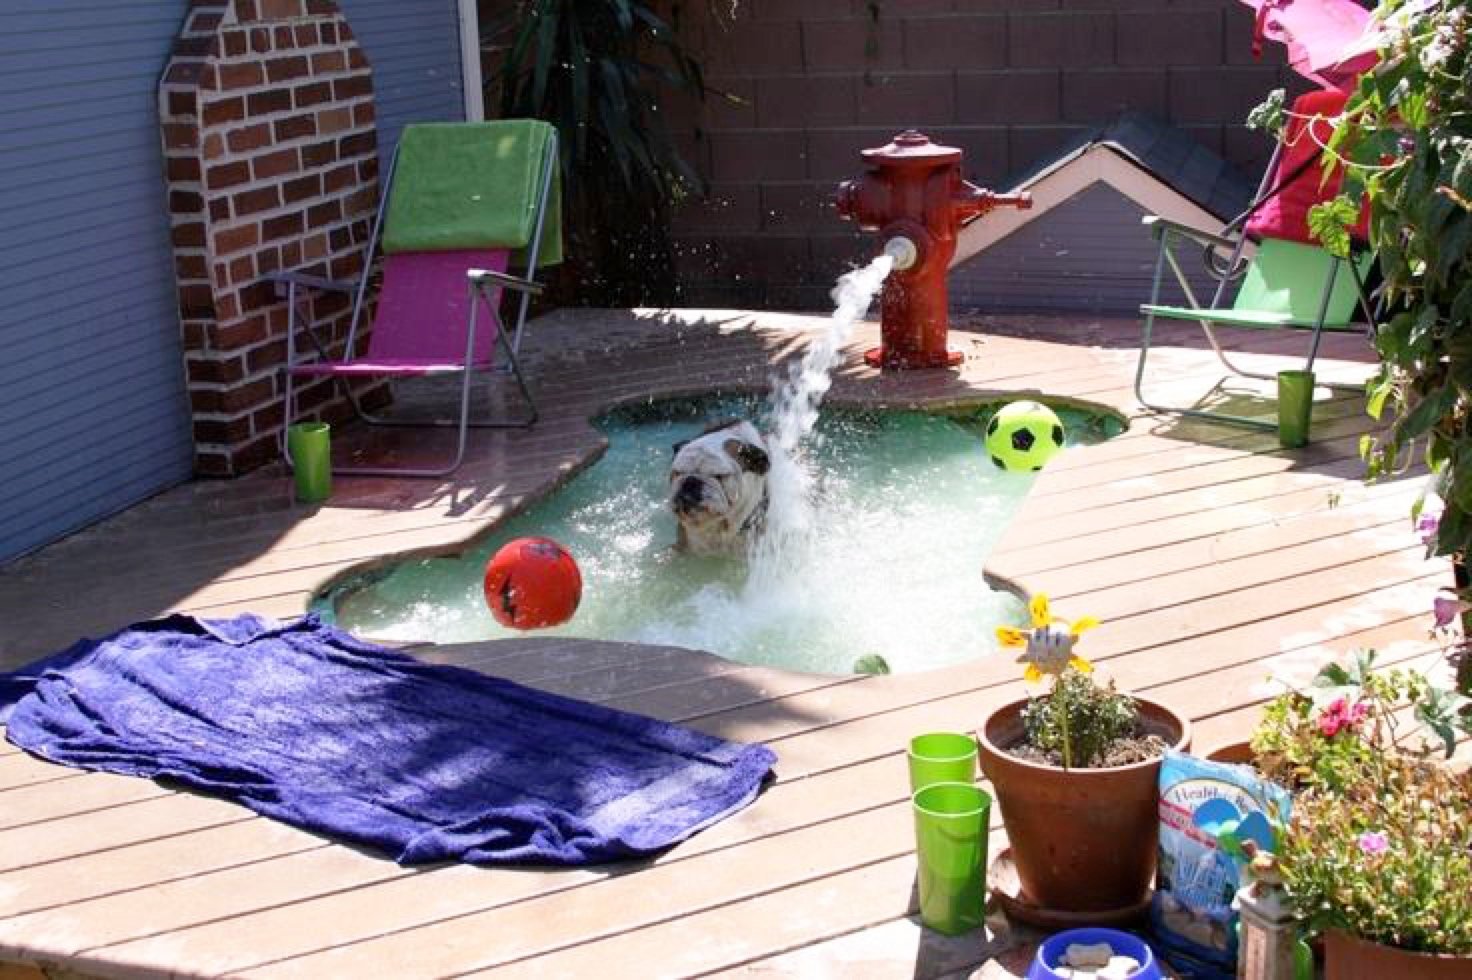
x=1330, y=42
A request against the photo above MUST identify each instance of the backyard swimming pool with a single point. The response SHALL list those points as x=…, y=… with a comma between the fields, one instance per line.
x=906, y=506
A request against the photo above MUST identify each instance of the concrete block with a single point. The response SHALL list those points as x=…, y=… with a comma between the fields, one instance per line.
x=855, y=45
x=1152, y=38
x=918, y=100
x=747, y=155
x=753, y=45
x=1096, y=96
x=968, y=40
x=1013, y=96
x=1060, y=39
x=794, y=101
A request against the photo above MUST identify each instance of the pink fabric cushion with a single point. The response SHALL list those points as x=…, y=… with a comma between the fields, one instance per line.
x=1285, y=214
x=423, y=307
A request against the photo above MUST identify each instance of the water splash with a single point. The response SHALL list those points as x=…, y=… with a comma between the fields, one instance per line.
x=795, y=402
x=907, y=510
x=879, y=557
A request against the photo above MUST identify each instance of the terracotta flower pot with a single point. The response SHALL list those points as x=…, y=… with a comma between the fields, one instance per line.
x=1349, y=957
x=1235, y=753
x=1083, y=840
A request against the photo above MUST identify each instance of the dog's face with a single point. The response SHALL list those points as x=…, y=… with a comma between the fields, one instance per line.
x=717, y=486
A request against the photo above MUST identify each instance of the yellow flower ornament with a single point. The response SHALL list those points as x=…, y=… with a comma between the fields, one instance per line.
x=1048, y=647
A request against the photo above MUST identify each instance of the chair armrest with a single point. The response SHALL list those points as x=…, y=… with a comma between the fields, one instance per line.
x=484, y=277
x=1159, y=227
x=283, y=278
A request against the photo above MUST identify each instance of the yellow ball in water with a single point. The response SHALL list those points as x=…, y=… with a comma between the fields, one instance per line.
x=1022, y=436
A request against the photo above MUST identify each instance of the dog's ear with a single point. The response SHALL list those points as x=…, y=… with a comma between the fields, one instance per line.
x=753, y=459
x=675, y=449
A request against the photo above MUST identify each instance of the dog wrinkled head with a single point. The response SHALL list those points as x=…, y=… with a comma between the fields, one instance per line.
x=717, y=482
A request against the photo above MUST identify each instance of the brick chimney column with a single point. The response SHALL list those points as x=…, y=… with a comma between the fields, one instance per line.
x=271, y=158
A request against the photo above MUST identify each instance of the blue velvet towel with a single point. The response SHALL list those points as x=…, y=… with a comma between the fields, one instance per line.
x=426, y=762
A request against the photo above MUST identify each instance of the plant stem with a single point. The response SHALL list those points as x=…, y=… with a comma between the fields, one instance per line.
x=1063, y=723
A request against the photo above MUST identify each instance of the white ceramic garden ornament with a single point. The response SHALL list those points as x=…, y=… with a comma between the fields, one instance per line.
x=1048, y=646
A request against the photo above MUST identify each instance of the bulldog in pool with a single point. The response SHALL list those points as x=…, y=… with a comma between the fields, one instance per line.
x=718, y=488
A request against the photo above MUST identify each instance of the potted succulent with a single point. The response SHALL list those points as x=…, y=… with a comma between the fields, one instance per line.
x=1377, y=856
x=1075, y=770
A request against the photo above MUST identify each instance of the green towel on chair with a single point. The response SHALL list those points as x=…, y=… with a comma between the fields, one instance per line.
x=473, y=185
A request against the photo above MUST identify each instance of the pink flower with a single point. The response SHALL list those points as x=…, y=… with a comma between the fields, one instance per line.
x=1341, y=715
x=1373, y=843
x=1446, y=609
x=1334, y=718
x=1428, y=525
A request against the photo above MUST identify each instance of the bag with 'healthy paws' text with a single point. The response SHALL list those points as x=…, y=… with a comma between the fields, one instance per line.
x=1207, y=809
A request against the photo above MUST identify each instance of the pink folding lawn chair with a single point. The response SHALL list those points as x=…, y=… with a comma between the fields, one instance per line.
x=459, y=199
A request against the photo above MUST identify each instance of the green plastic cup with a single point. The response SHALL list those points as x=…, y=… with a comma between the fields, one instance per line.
x=941, y=757
x=1295, y=407
x=310, y=446
x=951, y=822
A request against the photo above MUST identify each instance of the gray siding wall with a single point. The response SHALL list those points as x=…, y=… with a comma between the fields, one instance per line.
x=1089, y=254
x=93, y=411
x=93, y=415
x=414, y=48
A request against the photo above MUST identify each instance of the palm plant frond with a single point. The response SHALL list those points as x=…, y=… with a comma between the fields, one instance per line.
x=598, y=70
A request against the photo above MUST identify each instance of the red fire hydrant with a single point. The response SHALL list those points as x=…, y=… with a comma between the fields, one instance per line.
x=913, y=195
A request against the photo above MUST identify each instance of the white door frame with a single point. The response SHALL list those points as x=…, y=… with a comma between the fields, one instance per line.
x=470, y=80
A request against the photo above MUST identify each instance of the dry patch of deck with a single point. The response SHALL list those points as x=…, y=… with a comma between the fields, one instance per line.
x=1213, y=557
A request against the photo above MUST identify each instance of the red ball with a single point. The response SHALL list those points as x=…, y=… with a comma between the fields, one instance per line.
x=533, y=583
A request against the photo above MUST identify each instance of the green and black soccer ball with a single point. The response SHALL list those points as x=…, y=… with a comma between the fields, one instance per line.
x=1023, y=436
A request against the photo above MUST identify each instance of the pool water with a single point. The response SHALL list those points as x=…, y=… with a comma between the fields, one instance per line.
x=907, y=507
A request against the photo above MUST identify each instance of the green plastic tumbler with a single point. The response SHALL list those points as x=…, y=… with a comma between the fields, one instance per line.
x=951, y=823
x=941, y=757
x=310, y=447
x=1295, y=407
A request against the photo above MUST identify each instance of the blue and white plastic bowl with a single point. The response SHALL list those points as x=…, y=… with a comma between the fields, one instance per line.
x=1045, y=964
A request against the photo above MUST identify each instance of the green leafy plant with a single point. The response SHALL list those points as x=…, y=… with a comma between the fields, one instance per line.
x=1077, y=719
x=1332, y=731
x=602, y=72
x=1269, y=116
x=1404, y=141
x=1380, y=839
x=1387, y=856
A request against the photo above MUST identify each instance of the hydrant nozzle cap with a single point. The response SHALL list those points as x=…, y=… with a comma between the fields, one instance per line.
x=903, y=251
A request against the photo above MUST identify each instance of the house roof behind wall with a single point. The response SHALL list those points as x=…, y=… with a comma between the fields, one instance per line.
x=1167, y=153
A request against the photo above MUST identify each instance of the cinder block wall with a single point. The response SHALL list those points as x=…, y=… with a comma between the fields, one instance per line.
x=1009, y=81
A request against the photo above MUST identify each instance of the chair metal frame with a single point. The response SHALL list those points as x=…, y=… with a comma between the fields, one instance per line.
x=1225, y=273
x=481, y=284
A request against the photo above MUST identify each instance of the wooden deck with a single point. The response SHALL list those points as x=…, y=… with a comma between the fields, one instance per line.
x=1213, y=557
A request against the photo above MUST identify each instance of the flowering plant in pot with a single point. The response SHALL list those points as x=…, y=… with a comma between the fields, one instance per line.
x=1378, y=854
x=1075, y=770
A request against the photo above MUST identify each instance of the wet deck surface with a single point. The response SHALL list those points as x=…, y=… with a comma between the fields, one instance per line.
x=1213, y=557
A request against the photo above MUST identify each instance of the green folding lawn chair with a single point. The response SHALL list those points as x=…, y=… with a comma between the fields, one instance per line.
x=1289, y=282
x=1285, y=285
